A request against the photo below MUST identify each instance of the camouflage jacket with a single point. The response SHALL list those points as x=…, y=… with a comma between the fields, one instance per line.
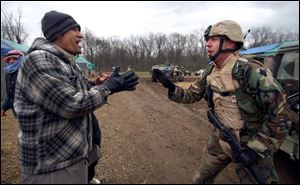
x=260, y=98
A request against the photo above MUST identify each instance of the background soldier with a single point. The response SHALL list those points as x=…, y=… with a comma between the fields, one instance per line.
x=245, y=98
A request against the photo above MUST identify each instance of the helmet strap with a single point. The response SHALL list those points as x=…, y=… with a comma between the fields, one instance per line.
x=212, y=58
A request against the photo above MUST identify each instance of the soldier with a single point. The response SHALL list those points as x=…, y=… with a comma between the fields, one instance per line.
x=245, y=98
x=176, y=71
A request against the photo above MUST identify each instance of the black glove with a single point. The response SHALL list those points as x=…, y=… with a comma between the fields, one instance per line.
x=162, y=78
x=125, y=82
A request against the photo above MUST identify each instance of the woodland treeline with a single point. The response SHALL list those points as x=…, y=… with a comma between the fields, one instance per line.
x=140, y=52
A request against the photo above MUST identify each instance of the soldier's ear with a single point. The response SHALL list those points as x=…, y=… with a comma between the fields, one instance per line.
x=229, y=44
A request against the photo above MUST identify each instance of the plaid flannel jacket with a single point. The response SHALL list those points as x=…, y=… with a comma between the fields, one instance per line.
x=54, y=102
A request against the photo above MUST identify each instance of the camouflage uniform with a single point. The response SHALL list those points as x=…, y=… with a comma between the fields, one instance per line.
x=260, y=114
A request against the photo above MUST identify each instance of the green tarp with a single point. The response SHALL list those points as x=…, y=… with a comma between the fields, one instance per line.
x=7, y=45
x=81, y=59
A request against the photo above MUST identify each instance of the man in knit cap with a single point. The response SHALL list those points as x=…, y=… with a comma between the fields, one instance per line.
x=59, y=136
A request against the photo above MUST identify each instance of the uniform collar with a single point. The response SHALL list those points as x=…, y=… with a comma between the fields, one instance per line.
x=225, y=62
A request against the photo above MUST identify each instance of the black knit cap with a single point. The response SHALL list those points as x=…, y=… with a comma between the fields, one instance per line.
x=56, y=23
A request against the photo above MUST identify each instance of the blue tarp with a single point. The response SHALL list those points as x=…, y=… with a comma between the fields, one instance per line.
x=284, y=45
x=269, y=50
x=261, y=49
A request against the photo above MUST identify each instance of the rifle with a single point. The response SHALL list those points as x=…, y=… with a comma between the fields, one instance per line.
x=240, y=154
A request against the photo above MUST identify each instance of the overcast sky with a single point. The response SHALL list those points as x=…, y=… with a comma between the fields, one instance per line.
x=124, y=19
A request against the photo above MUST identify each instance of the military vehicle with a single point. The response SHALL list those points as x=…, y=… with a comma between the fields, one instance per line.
x=199, y=72
x=286, y=70
x=186, y=72
x=178, y=74
x=170, y=70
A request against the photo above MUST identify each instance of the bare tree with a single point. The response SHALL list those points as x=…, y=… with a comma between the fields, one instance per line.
x=286, y=35
x=160, y=41
x=175, y=47
x=261, y=36
x=11, y=27
x=134, y=48
x=89, y=44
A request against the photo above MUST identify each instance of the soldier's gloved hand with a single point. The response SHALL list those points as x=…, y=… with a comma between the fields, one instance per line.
x=162, y=78
x=125, y=82
x=252, y=156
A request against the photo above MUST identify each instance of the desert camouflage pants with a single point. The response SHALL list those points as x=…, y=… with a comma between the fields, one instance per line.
x=214, y=160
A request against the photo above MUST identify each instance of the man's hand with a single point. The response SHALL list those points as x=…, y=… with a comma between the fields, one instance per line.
x=162, y=78
x=124, y=82
x=101, y=78
x=3, y=113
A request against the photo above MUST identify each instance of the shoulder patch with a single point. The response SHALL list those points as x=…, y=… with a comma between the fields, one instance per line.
x=240, y=68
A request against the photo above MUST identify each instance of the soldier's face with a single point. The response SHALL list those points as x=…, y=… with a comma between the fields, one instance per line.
x=212, y=45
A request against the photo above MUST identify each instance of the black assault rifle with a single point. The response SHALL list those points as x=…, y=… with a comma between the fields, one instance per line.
x=240, y=154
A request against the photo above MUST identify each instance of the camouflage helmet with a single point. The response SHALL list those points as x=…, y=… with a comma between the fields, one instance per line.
x=228, y=28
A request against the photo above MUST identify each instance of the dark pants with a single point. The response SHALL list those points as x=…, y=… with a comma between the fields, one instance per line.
x=92, y=170
x=74, y=174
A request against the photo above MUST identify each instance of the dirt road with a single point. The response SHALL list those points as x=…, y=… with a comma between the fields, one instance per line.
x=146, y=139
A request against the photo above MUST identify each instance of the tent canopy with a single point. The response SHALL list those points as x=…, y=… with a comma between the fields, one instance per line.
x=5, y=48
x=7, y=45
x=81, y=59
x=269, y=50
x=261, y=49
x=286, y=44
